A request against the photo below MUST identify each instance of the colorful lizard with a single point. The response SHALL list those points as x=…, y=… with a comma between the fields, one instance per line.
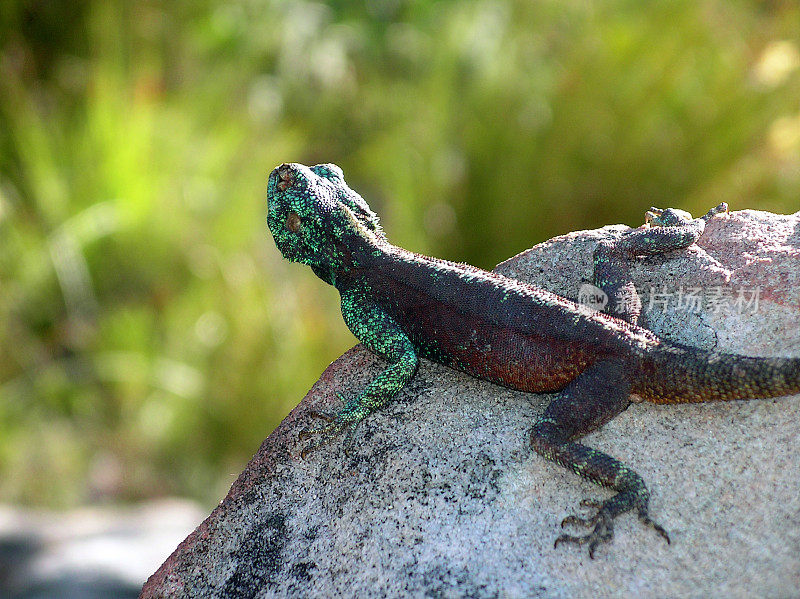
x=403, y=306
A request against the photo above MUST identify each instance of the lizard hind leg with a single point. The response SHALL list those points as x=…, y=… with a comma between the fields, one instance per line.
x=595, y=397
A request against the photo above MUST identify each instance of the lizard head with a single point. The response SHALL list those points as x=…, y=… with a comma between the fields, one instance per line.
x=669, y=217
x=315, y=218
x=673, y=217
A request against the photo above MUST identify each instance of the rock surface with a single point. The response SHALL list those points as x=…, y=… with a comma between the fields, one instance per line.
x=441, y=496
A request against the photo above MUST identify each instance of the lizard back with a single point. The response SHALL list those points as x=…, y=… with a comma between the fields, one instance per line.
x=488, y=325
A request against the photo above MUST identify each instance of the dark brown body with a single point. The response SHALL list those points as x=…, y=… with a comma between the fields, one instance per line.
x=493, y=327
x=516, y=335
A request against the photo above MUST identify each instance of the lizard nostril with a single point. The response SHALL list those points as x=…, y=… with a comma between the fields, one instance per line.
x=285, y=178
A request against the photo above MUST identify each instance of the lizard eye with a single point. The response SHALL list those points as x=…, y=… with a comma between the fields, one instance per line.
x=293, y=222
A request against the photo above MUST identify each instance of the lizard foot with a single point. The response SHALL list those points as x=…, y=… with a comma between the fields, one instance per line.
x=603, y=532
x=334, y=424
x=603, y=522
x=587, y=522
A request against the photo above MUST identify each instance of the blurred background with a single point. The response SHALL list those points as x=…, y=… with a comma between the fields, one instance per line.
x=151, y=336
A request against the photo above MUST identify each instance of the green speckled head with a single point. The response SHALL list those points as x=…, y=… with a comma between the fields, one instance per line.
x=312, y=215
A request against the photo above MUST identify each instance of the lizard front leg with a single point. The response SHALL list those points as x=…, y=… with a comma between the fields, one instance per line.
x=381, y=335
x=595, y=397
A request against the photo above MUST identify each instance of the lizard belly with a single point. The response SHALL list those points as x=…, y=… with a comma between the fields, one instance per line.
x=524, y=361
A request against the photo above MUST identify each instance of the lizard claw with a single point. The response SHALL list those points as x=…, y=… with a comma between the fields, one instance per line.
x=603, y=532
x=577, y=520
x=326, y=416
x=311, y=446
x=587, y=522
x=321, y=435
x=603, y=522
x=658, y=528
x=335, y=423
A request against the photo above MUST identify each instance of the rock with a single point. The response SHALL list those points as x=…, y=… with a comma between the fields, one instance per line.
x=440, y=494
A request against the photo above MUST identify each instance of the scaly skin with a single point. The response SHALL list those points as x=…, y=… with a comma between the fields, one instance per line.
x=402, y=305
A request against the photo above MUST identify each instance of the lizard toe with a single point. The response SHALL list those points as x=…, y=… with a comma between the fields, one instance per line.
x=334, y=424
x=603, y=533
x=319, y=435
x=579, y=521
x=644, y=519
x=322, y=415
x=588, y=521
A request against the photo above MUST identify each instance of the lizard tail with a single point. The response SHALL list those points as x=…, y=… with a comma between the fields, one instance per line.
x=678, y=374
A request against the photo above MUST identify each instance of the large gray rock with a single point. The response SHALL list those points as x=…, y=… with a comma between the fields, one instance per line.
x=441, y=495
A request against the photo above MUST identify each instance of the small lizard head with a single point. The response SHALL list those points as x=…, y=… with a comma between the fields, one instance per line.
x=315, y=218
x=669, y=217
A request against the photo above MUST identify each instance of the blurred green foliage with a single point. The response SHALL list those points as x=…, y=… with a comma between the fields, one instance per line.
x=150, y=334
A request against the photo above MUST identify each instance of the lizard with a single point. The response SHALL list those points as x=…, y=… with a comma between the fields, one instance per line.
x=402, y=306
